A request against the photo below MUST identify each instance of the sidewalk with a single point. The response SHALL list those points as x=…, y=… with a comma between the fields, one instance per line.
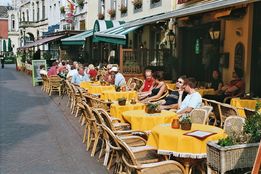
x=37, y=134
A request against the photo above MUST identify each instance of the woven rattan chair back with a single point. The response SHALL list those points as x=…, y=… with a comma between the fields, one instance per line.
x=107, y=119
x=205, y=101
x=199, y=116
x=216, y=110
x=234, y=125
x=161, y=97
x=249, y=112
x=129, y=81
x=55, y=84
x=132, y=86
x=226, y=110
x=98, y=103
x=139, y=83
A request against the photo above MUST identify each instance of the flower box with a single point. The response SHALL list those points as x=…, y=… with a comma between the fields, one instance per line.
x=137, y=4
x=112, y=13
x=100, y=16
x=227, y=158
x=123, y=9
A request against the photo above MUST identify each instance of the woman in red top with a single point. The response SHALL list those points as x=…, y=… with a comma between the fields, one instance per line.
x=147, y=86
x=92, y=72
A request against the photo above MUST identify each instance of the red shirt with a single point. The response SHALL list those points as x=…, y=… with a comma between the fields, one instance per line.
x=52, y=71
x=93, y=73
x=148, y=83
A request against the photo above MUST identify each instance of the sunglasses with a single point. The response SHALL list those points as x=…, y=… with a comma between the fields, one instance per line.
x=180, y=82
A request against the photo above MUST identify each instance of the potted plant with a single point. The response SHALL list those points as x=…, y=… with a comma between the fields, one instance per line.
x=122, y=101
x=185, y=122
x=137, y=3
x=154, y=1
x=123, y=9
x=112, y=12
x=117, y=88
x=100, y=16
x=80, y=3
x=151, y=108
x=236, y=150
x=62, y=9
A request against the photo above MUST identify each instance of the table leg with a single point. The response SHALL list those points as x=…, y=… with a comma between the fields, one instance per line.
x=187, y=167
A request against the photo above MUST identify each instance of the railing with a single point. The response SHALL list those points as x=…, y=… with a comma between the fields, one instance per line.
x=134, y=61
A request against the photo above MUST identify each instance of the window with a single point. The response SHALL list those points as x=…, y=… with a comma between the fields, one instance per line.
x=124, y=8
x=23, y=16
x=38, y=11
x=33, y=11
x=12, y=22
x=113, y=4
x=101, y=6
x=27, y=15
x=43, y=10
x=138, y=5
x=155, y=3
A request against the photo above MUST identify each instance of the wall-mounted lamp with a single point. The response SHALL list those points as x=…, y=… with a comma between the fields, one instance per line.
x=170, y=37
x=214, y=34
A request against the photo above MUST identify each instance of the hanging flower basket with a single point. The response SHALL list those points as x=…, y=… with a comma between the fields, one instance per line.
x=154, y=1
x=112, y=12
x=137, y=4
x=100, y=16
x=80, y=3
x=123, y=9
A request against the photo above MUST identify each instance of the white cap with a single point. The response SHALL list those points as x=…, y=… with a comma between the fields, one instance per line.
x=114, y=69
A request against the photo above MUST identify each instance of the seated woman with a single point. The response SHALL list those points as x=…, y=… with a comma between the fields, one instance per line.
x=158, y=89
x=147, y=86
x=216, y=82
x=174, y=99
x=235, y=88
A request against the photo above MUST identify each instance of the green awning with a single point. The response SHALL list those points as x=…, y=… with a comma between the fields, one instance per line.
x=115, y=35
x=78, y=39
x=103, y=25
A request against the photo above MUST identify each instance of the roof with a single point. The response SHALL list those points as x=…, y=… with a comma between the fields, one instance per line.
x=3, y=12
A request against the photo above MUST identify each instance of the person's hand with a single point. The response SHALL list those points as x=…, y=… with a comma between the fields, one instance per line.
x=180, y=92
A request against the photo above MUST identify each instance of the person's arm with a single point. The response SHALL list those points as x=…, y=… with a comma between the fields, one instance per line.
x=142, y=87
x=160, y=93
x=186, y=110
x=220, y=85
x=180, y=99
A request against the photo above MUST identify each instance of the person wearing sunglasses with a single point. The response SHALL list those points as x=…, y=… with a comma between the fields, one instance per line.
x=175, y=98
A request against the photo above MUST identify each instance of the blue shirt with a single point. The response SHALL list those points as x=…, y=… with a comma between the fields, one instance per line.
x=193, y=100
x=77, y=78
x=119, y=80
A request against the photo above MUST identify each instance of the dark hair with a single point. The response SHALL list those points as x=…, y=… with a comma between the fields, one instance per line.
x=239, y=72
x=42, y=66
x=158, y=75
x=63, y=63
x=183, y=77
x=147, y=69
x=191, y=82
x=54, y=64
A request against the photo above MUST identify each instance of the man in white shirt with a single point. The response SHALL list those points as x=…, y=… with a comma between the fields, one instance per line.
x=119, y=79
x=193, y=100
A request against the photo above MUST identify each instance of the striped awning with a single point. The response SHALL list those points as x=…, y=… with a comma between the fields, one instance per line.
x=115, y=35
x=78, y=39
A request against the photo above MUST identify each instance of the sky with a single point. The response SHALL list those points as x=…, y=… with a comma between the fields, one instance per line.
x=5, y=2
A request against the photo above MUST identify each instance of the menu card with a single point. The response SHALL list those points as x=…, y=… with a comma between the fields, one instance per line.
x=200, y=134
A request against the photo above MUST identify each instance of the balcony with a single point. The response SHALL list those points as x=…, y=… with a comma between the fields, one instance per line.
x=33, y=24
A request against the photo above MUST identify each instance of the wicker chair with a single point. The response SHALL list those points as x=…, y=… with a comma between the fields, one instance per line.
x=76, y=100
x=68, y=92
x=234, y=125
x=79, y=105
x=226, y=110
x=249, y=112
x=216, y=115
x=161, y=97
x=147, y=161
x=55, y=85
x=129, y=81
x=45, y=86
x=98, y=103
x=139, y=83
x=205, y=101
x=199, y=116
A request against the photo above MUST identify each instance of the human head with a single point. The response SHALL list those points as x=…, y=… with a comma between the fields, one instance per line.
x=91, y=66
x=190, y=83
x=42, y=67
x=215, y=74
x=75, y=64
x=109, y=66
x=114, y=70
x=158, y=76
x=238, y=73
x=54, y=64
x=180, y=82
x=80, y=71
x=148, y=73
x=63, y=63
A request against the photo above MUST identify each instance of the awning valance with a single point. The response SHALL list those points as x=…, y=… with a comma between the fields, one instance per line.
x=201, y=7
x=115, y=35
x=41, y=41
x=78, y=39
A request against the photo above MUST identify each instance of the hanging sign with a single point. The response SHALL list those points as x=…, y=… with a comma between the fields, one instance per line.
x=36, y=77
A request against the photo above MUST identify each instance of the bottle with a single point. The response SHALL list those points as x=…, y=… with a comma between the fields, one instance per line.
x=175, y=123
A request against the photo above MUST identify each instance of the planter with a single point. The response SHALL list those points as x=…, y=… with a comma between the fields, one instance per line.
x=185, y=126
x=122, y=102
x=227, y=158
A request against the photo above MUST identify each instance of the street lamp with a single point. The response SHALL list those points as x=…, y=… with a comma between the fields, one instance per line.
x=170, y=37
x=24, y=35
x=214, y=33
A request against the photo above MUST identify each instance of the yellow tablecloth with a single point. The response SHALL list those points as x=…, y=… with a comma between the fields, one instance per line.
x=113, y=95
x=243, y=103
x=86, y=85
x=171, y=86
x=117, y=110
x=98, y=89
x=140, y=120
x=206, y=91
x=173, y=141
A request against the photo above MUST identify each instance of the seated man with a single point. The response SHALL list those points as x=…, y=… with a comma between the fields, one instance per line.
x=80, y=77
x=147, y=86
x=119, y=79
x=174, y=99
x=192, y=100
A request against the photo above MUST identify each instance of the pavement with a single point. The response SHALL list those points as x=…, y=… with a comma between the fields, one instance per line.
x=38, y=135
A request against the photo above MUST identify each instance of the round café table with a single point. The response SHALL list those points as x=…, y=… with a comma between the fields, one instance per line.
x=188, y=149
x=142, y=121
x=205, y=91
x=116, y=110
x=98, y=89
x=113, y=95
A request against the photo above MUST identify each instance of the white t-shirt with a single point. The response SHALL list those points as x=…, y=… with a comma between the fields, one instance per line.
x=72, y=73
x=193, y=100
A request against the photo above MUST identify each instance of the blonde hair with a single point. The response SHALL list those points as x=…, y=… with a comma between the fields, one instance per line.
x=91, y=66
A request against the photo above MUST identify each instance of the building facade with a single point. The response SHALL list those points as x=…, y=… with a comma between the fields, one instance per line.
x=4, y=27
